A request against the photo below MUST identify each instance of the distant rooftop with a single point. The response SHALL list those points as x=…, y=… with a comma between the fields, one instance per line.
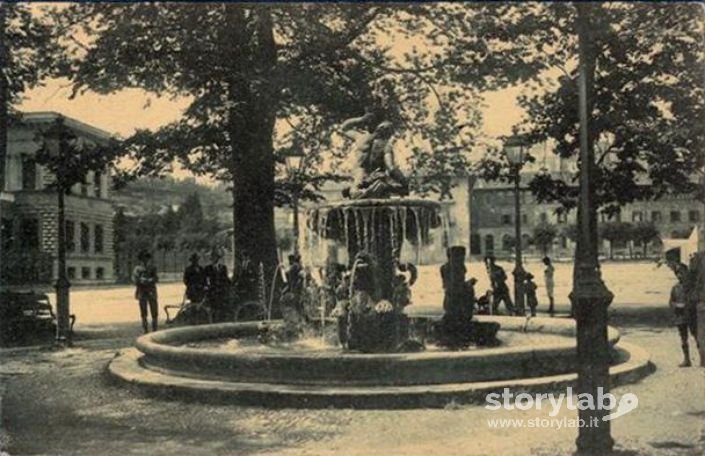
x=45, y=117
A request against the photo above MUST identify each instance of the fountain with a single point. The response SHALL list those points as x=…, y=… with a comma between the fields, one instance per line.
x=373, y=232
x=377, y=356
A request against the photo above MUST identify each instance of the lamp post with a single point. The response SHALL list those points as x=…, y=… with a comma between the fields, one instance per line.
x=294, y=164
x=56, y=140
x=590, y=297
x=514, y=151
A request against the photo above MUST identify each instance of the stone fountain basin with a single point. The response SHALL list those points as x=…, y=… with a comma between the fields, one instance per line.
x=166, y=371
x=166, y=352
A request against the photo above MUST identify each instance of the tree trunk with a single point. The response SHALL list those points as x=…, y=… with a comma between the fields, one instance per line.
x=251, y=127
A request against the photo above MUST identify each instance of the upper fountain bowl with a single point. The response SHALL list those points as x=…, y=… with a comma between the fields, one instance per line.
x=354, y=221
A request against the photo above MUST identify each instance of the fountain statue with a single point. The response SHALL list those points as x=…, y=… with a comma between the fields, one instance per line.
x=375, y=174
x=373, y=223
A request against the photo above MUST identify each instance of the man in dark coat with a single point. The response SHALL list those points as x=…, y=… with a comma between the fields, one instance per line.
x=195, y=280
x=217, y=286
x=500, y=290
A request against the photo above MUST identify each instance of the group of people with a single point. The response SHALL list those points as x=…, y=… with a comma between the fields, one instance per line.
x=208, y=284
x=499, y=292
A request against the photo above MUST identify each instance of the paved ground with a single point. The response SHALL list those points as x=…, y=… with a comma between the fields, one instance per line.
x=62, y=402
x=635, y=285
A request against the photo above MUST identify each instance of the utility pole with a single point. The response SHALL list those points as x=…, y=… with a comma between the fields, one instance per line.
x=590, y=297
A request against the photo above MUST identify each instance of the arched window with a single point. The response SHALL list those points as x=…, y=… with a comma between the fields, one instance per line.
x=489, y=244
x=507, y=242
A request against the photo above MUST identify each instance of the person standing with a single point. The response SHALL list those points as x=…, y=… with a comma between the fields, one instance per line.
x=145, y=278
x=684, y=314
x=530, y=290
x=500, y=290
x=195, y=280
x=217, y=286
x=696, y=295
x=550, y=284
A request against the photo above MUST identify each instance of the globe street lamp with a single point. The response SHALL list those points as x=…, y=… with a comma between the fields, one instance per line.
x=514, y=150
x=56, y=141
x=294, y=164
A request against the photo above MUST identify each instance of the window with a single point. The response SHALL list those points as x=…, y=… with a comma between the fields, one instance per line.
x=507, y=242
x=475, y=244
x=617, y=217
x=70, y=237
x=489, y=244
x=524, y=218
x=99, y=273
x=543, y=217
x=526, y=241
x=506, y=219
x=694, y=216
x=637, y=216
x=71, y=272
x=85, y=238
x=96, y=184
x=29, y=173
x=85, y=272
x=7, y=234
x=675, y=216
x=29, y=234
x=98, y=239
x=655, y=216
x=562, y=217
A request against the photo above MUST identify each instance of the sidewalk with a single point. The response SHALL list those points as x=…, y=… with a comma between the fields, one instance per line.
x=62, y=403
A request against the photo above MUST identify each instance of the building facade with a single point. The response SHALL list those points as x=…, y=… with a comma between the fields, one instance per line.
x=29, y=212
x=493, y=213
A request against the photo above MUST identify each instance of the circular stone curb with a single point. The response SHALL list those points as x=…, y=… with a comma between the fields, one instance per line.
x=163, y=352
x=127, y=368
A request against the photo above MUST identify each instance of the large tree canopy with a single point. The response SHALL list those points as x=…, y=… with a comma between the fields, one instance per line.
x=27, y=54
x=248, y=69
x=647, y=98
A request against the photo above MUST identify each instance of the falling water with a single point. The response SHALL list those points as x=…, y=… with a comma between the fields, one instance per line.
x=346, y=220
x=417, y=221
x=403, y=220
x=358, y=230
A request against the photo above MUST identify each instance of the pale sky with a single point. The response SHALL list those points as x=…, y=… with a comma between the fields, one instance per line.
x=124, y=112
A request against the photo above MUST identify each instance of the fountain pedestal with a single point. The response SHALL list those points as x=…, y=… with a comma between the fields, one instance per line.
x=373, y=231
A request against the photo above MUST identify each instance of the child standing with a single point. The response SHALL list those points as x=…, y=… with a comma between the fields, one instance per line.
x=530, y=290
x=548, y=279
